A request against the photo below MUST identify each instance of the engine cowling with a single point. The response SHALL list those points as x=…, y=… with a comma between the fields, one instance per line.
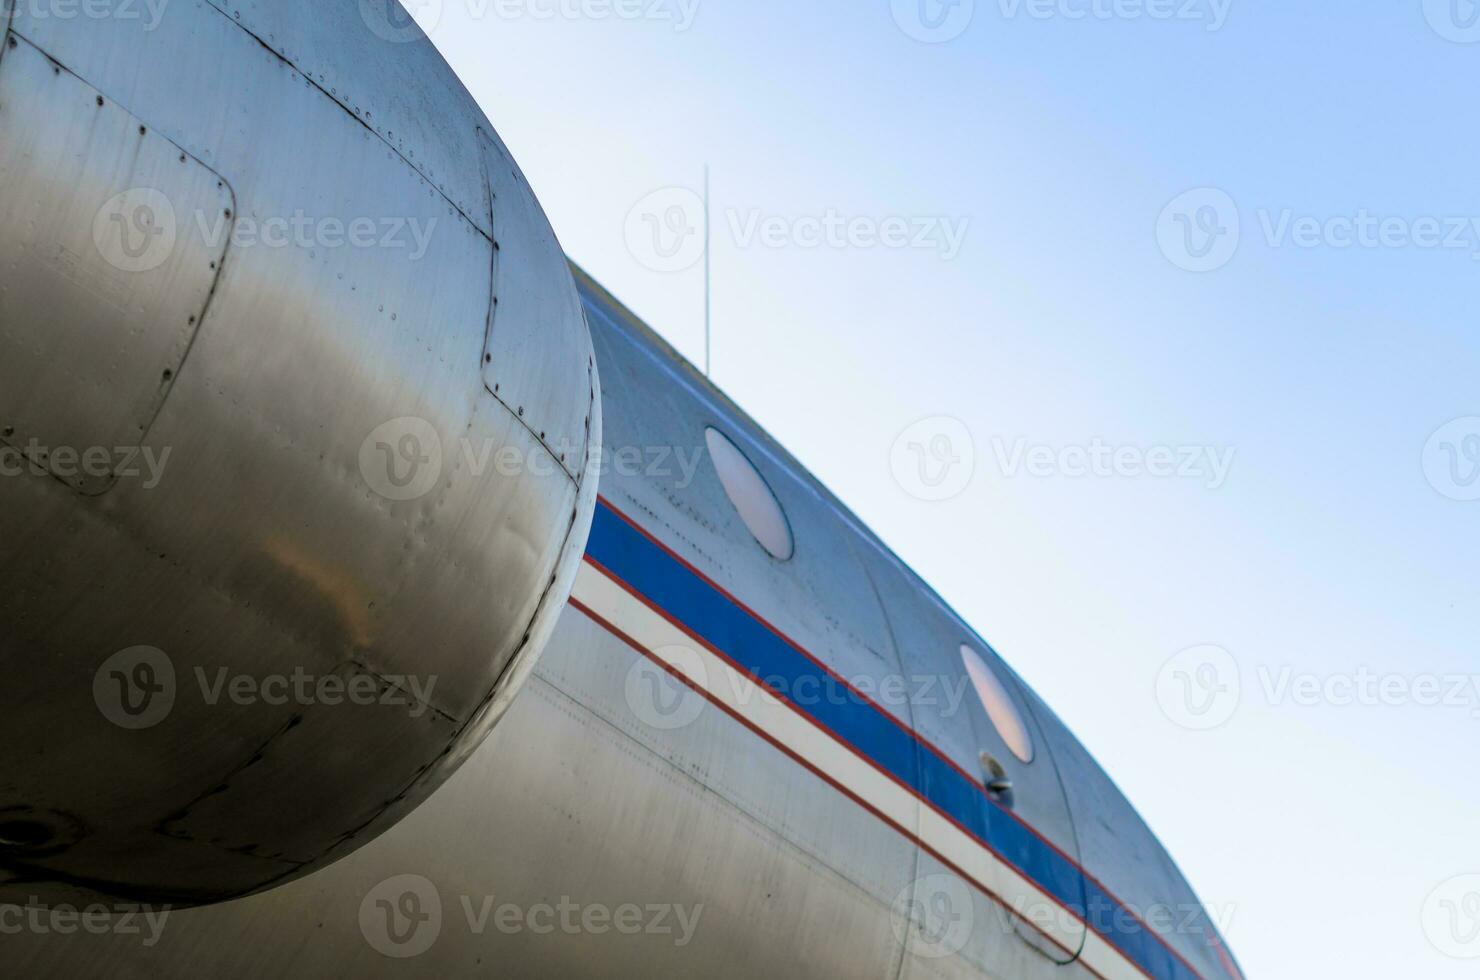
x=296, y=401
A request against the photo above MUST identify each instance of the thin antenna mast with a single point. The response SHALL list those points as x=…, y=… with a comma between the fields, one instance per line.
x=708, y=304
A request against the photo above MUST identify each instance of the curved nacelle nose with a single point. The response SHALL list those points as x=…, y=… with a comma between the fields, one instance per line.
x=296, y=396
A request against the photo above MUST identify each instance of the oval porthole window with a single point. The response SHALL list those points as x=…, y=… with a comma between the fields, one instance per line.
x=752, y=497
x=1000, y=707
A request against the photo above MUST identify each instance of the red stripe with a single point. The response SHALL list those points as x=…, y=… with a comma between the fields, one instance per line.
x=678, y=675
x=809, y=719
x=919, y=739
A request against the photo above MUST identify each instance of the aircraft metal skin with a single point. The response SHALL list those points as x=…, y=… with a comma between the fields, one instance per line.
x=431, y=463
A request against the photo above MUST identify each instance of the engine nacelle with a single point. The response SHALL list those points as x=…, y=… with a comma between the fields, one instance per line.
x=296, y=397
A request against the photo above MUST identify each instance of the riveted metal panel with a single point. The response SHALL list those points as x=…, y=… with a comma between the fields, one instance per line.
x=656, y=467
x=534, y=336
x=118, y=236
x=1126, y=857
x=374, y=60
x=656, y=470
x=332, y=493
x=930, y=641
x=386, y=721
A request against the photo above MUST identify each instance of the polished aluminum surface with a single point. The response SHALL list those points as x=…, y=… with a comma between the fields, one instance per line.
x=585, y=797
x=324, y=554
x=626, y=828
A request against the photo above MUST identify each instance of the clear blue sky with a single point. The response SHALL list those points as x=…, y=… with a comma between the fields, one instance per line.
x=1323, y=359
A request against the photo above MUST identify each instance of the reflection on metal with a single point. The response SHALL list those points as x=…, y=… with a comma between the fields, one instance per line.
x=107, y=274
x=315, y=575
x=313, y=584
x=531, y=340
x=339, y=504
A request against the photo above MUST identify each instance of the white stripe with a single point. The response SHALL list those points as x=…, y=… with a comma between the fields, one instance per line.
x=844, y=765
x=1108, y=961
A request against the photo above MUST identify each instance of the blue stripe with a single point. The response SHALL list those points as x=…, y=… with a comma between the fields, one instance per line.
x=710, y=614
